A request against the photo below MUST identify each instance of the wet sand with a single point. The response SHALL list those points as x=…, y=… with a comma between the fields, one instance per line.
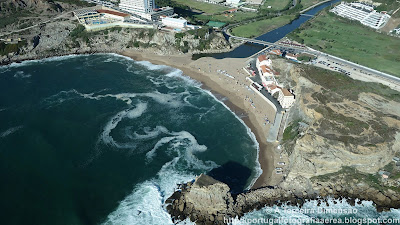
x=235, y=90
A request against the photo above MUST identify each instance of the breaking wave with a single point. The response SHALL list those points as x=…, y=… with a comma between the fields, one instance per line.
x=21, y=75
x=10, y=131
x=146, y=203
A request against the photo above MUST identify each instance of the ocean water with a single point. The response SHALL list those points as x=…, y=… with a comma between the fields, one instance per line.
x=103, y=139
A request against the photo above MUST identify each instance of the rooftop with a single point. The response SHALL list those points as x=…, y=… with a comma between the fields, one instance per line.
x=112, y=12
x=286, y=92
x=265, y=69
x=262, y=58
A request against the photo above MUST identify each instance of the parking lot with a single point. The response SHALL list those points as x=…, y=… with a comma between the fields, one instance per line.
x=329, y=64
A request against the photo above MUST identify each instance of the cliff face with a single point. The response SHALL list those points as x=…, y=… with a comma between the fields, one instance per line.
x=207, y=201
x=67, y=37
x=8, y=7
x=341, y=132
x=347, y=123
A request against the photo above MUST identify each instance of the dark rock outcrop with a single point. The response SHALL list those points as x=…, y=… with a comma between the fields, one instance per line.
x=208, y=201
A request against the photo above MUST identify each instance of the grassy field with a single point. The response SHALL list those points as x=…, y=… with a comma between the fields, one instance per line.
x=202, y=6
x=352, y=41
x=276, y=5
x=228, y=17
x=257, y=28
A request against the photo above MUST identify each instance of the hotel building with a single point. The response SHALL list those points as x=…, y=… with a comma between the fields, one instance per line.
x=137, y=6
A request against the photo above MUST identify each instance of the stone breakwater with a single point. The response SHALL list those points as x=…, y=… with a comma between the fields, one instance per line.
x=208, y=201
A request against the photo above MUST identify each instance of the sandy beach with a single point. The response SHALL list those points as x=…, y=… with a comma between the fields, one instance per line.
x=239, y=98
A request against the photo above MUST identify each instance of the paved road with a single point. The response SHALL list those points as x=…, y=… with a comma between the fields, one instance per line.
x=353, y=66
x=365, y=70
x=313, y=6
x=41, y=23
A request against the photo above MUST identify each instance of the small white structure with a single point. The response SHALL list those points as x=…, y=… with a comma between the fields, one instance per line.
x=174, y=23
x=286, y=99
x=363, y=13
x=232, y=2
x=291, y=56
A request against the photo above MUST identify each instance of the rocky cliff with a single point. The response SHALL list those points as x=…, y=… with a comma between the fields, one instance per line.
x=207, y=201
x=347, y=123
x=66, y=36
x=340, y=133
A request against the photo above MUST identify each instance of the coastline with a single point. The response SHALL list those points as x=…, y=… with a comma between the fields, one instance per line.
x=235, y=99
x=231, y=91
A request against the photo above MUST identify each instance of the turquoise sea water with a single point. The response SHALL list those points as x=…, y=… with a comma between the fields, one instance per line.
x=102, y=139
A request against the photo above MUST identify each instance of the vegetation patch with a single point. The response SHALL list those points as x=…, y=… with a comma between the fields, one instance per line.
x=5, y=49
x=254, y=29
x=352, y=175
x=345, y=86
x=276, y=5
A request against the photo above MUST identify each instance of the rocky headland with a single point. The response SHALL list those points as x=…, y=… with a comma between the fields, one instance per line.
x=59, y=33
x=341, y=135
x=208, y=201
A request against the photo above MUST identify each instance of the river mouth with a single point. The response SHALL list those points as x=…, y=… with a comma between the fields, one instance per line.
x=248, y=49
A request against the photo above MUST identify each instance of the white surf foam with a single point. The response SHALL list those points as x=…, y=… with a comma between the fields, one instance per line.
x=22, y=75
x=150, y=66
x=177, y=141
x=10, y=131
x=140, y=108
x=149, y=133
x=146, y=203
x=50, y=59
x=136, y=112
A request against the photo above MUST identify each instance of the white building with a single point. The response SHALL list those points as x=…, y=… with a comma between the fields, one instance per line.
x=174, y=23
x=157, y=13
x=267, y=80
x=139, y=7
x=232, y=2
x=291, y=56
x=265, y=71
x=263, y=60
x=363, y=13
x=286, y=99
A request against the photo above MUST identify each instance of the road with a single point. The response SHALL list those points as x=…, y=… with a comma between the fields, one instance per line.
x=313, y=6
x=359, y=69
x=41, y=23
x=366, y=71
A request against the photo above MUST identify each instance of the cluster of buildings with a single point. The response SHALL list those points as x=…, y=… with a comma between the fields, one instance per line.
x=132, y=13
x=285, y=98
x=290, y=56
x=396, y=31
x=226, y=2
x=363, y=13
